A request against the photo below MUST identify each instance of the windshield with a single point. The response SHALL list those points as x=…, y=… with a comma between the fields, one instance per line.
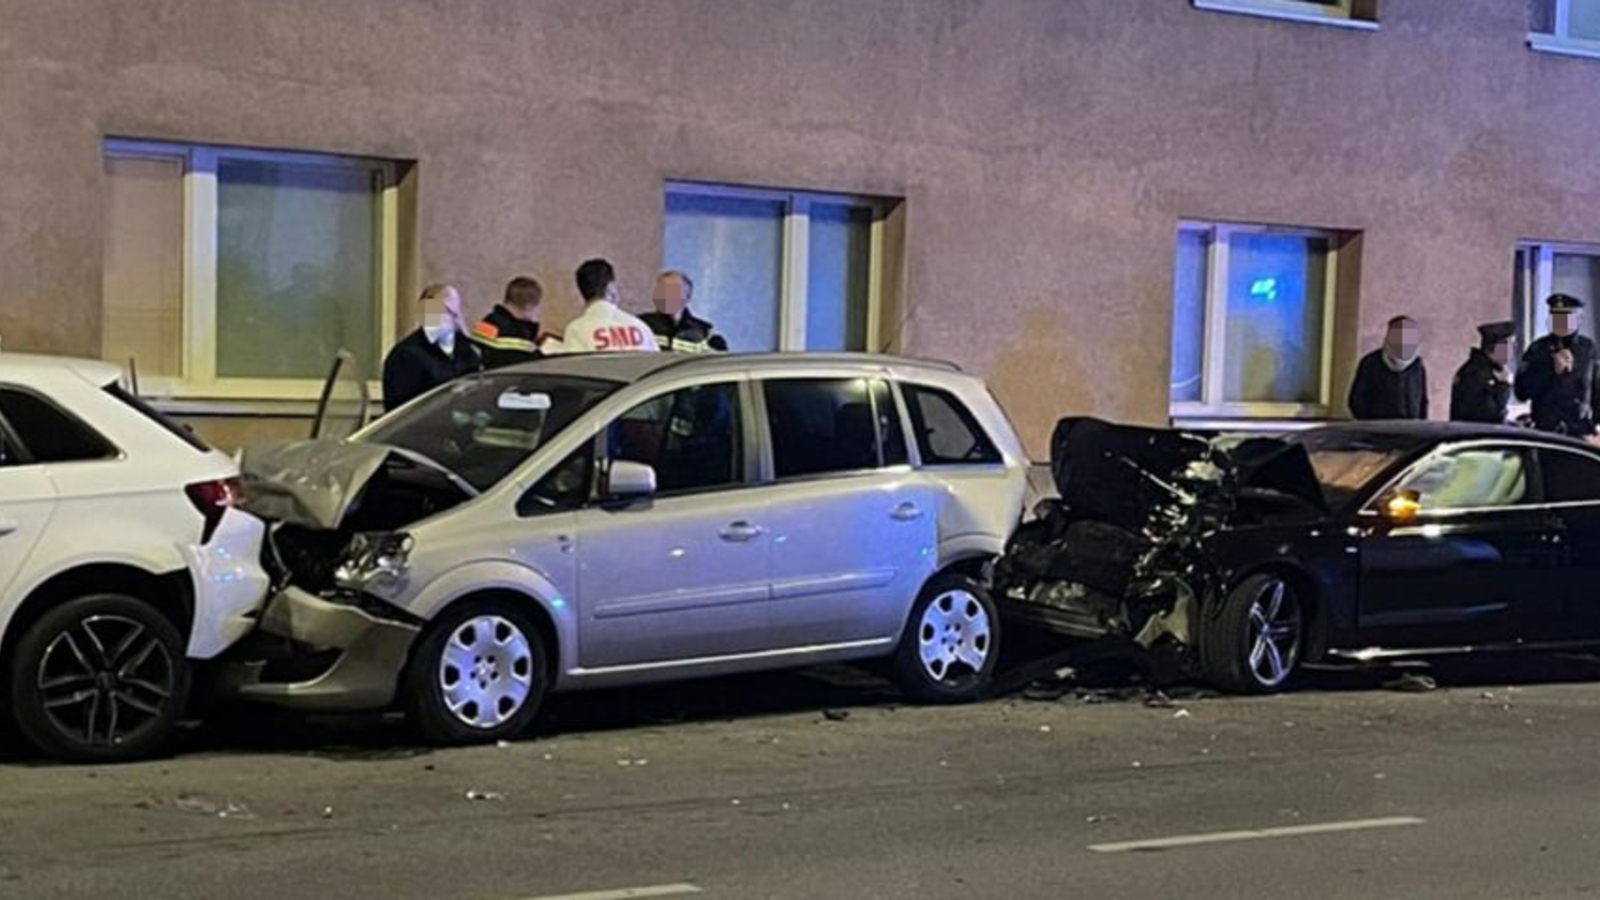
x=1346, y=463
x=481, y=428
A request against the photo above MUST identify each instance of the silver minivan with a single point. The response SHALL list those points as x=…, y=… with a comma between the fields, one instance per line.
x=600, y=520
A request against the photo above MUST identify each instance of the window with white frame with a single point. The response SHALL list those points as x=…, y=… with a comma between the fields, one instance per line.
x=1348, y=13
x=781, y=270
x=1252, y=320
x=237, y=273
x=1542, y=269
x=1565, y=26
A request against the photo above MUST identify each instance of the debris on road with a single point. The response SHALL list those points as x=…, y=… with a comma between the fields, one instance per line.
x=1100, y=820
x=1181, y=714
x=836, y=715
x=327, y=812
x=1412, y=683
x=485, y=795
x=1157, y=699
x=1045, y=729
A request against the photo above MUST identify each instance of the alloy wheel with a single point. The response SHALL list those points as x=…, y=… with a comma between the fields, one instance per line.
x=486, y=671
x=953, y=633
x=1274, y=622
x=104, y=678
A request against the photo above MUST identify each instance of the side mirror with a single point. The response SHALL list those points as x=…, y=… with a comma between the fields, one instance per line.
x=628, y=480
x=1402, y=505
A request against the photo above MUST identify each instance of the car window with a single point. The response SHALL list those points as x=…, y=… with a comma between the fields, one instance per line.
x=1471, y=479
x=566, y=487
x=822, y=425
x=690, y=437
x=50, y=434
x=1570, y=477
x=946, y=431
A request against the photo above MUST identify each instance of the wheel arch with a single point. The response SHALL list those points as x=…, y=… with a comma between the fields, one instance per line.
x=171, y=593
x=1314, y=604
x=544, y=620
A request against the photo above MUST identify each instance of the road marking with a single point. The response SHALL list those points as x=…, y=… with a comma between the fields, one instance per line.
x=660, y=890
x=1222, y=837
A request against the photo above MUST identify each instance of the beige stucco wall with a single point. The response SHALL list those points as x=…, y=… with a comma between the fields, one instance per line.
x=1046, y=148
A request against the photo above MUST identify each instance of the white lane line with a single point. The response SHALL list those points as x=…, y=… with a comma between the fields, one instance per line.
x=1222, y=837
x=660, y=890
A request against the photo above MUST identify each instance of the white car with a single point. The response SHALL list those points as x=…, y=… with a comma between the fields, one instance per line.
x=122, y=559
x=611, y=519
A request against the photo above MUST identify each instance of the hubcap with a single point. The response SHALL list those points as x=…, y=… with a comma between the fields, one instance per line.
x=104, y=679
x=486, y=671
x=1274, y=634
x=953, y=635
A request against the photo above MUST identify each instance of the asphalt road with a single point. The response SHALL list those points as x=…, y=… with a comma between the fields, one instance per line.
x=1485, y=788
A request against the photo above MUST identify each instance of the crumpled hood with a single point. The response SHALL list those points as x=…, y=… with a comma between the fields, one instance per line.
x=315, y=483
x=1118, y=473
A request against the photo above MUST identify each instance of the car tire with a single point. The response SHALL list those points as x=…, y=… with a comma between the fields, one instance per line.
x=478, y=674
x=101, y=678
x=951, y=642
x=1254, y=642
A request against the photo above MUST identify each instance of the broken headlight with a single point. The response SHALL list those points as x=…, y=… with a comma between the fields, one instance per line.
x=374, y=561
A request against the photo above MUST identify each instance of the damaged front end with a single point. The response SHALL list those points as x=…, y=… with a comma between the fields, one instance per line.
x=1123, y=554
x=332, y=635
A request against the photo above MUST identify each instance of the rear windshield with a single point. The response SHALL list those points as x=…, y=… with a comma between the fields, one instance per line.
x=483, y=427
x=182, y=432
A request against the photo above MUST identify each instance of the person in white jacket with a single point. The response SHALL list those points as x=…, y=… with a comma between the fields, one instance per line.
x=604, y=327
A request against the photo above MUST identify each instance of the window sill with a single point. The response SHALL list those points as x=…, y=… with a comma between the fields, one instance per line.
x=1288, y=11
x=1563, y=46
x=267, y=409
x=1253, y=426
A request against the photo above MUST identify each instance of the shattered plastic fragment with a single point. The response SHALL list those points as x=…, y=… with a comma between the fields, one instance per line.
x=1412, y=683
x=1181, y=714
x=836, y=715
x=485, y=795
x=327, y=812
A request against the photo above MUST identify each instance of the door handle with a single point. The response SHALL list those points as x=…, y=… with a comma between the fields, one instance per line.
x=741, y=532
x=906, y=512
x=7, y=526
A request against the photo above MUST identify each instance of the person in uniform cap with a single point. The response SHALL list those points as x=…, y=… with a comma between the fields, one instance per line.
x=1557, y=373
x=509, y=334
x=1482, y=388
x=1391, y=382
x=676, y=328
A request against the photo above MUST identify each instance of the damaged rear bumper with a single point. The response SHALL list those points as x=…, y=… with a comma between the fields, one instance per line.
x=1146, y=617
x=335, y=655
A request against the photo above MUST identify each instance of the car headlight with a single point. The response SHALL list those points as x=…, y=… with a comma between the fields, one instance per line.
x=374, y=560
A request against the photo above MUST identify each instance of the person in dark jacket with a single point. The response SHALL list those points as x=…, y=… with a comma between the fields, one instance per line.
x=676, y=328
x=1391, y=382
x=1482, y=387
x=433, y=354
x=509, y=334
x=1558, y=373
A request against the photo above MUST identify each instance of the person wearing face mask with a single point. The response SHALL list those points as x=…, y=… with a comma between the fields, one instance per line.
x=1557, y=374
x=1391, y=382
x=1482, y=388
x=435, y=353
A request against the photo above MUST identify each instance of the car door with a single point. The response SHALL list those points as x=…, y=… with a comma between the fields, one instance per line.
x=1460, y=552
x=1572, y=490
x=27, y=502
x=854, y=527
x=683, y=574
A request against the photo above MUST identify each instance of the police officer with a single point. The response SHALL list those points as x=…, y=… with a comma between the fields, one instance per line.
x=1557, y=373
x=509, y=334
x=675, y=327
x=1482, y=387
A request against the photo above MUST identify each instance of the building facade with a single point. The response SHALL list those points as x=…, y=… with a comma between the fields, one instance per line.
x=1142, y=209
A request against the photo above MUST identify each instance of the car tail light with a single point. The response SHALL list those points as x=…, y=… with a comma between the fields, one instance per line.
x=212, y=499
